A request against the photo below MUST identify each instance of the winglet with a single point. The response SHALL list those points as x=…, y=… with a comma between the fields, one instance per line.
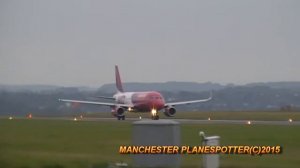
x=211, y=95
x=118, y=80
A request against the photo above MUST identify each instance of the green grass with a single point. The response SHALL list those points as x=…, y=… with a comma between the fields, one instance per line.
x=82, y=144
x=42, y=143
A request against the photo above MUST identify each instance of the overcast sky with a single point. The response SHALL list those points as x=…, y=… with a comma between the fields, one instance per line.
x=78, y=42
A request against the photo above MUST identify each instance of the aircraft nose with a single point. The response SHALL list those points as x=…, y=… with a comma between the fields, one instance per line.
x=159, y=104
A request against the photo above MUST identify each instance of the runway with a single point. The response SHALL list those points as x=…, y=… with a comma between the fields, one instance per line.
x=242, y=122
x=192, y=121
x=183, y=121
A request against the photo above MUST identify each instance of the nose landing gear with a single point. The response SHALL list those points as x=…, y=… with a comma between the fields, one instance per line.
x=154, y=114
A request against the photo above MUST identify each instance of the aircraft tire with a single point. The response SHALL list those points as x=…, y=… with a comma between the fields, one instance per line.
x=155, y=117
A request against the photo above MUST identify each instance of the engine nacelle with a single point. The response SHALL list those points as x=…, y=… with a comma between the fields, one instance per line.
x=118, y=111
x=170, y=111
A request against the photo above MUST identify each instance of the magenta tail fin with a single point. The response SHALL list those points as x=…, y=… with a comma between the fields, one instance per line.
x=118, y=80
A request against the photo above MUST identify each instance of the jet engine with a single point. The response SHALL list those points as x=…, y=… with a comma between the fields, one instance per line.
x=170, y=111
x=118, y=112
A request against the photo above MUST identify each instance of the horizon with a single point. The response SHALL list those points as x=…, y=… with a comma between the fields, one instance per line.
x=124, y=83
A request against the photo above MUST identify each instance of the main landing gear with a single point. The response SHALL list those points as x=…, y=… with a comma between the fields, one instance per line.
x=154, y=114
x=121, y=117
x=155, y=117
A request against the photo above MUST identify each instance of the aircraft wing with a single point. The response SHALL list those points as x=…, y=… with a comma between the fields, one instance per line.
x=96, y=103
x=188, y=102
x=104, y=97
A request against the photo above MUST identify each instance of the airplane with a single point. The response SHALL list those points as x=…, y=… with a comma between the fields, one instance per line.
x=148, y=101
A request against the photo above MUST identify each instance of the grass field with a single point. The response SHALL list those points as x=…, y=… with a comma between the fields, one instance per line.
x=34, y=143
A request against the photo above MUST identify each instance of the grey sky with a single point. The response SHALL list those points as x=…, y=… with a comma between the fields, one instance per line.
x=77, y=42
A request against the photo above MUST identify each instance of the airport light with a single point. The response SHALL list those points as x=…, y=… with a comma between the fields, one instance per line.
x=121, y=164
x=75, y=119
x=249, y=122
x=290, y=120
x=208, y=119
x=10, y=118
x=140, y=117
